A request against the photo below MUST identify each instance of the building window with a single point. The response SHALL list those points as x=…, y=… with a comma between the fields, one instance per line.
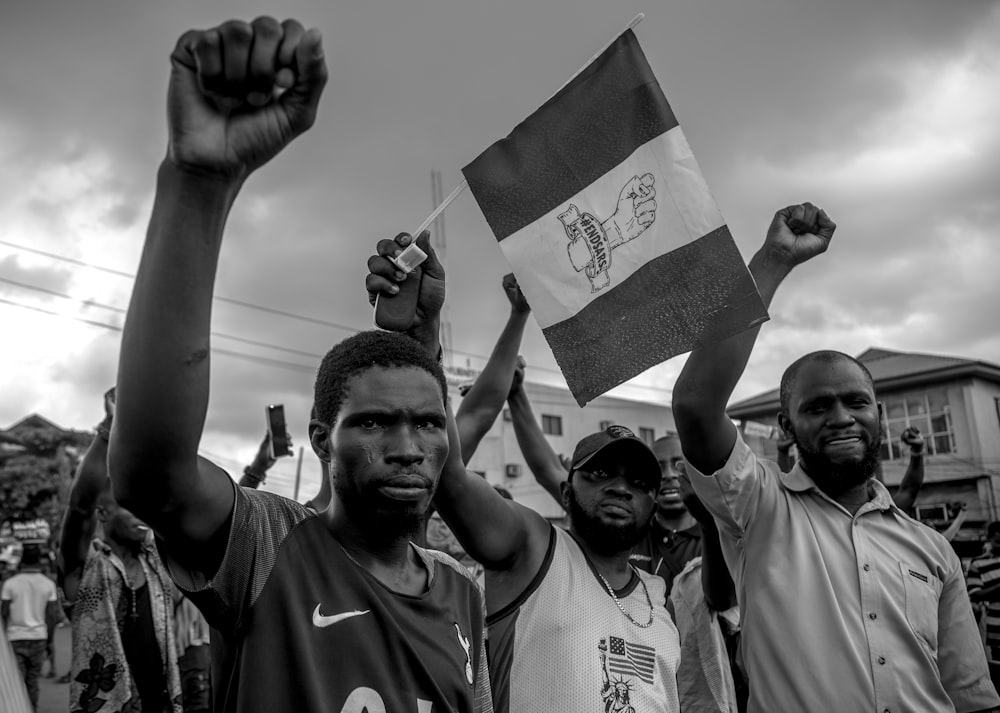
x=647, y=435
x=551, y=425
x=927, y=411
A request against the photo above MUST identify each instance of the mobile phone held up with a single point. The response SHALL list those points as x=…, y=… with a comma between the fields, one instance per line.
x=277, y=432
x=396, y=312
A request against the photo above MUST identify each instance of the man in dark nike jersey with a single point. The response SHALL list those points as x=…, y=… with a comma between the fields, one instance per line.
x=574, y=626
x=331, y=612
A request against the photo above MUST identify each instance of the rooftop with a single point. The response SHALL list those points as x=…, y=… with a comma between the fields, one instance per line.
x=890, y=370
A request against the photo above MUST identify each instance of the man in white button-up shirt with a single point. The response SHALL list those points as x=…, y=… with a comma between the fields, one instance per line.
x=848, y=604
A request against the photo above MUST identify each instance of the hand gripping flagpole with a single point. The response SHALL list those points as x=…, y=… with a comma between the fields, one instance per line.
x=465, y=184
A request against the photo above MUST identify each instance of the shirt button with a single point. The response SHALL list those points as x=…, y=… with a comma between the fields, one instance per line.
x=881, y=660
x=872, y=615
x=867, y=567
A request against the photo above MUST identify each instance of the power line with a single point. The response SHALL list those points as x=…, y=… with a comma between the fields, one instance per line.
x=220, y=298
x=229, y=300
x=278, y=312
x=119, y=310
x=215, y=350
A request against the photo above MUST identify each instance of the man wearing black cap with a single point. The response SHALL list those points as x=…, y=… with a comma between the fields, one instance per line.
x=569, y=603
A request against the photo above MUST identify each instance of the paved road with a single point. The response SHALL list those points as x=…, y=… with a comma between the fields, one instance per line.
x=53, y=697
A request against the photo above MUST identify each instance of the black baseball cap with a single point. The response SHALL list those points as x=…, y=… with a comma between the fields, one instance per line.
x=620, y=437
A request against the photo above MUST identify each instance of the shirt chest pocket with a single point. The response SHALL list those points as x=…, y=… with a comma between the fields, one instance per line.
x=922, y=591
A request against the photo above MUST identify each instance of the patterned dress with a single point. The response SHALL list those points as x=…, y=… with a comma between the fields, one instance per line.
x=101, y=680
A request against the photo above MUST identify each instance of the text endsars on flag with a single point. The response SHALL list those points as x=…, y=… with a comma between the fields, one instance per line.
x=600, y=208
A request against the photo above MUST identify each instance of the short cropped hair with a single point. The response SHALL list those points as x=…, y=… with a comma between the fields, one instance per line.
x=993, y=528
x=364, y=351
x=828, y=356
x=31, y=555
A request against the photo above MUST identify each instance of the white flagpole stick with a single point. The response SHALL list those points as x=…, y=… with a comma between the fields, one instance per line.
x=631, y=25
x=465, y=184
x=444, y=204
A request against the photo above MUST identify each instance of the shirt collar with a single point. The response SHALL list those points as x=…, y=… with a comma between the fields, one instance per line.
x=797, y=480
x=693, y=532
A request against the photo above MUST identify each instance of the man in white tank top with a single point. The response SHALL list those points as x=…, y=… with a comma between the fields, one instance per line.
x=573, y=626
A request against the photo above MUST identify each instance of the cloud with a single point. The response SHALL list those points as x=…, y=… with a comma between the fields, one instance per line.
x=885, y=113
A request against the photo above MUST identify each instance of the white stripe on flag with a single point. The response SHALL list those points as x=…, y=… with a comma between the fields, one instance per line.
x=685, y=212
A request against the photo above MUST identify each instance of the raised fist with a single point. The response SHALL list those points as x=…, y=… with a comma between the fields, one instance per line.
x=636, y=210
x=240, y=92
x=513, y=291
x=913, y=439
x=798, y=233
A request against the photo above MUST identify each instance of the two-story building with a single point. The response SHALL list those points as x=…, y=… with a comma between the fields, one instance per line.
x=955, y=403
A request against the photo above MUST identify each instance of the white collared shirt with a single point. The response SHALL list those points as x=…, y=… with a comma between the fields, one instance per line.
x=843, y=613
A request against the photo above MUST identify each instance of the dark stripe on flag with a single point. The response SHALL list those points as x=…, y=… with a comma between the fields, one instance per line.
x=610, y=340
x=595, y=122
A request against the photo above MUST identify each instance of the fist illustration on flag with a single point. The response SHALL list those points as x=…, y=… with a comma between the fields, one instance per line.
x=635, y=212
x=591, y=241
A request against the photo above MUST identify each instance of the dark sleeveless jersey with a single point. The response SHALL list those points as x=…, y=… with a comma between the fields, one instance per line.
x=299, y=626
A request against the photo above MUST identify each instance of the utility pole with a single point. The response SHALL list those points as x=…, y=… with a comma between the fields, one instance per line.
x=440, y=243
x=298, y=475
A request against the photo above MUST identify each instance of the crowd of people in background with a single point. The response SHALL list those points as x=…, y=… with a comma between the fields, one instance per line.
x=689, y=574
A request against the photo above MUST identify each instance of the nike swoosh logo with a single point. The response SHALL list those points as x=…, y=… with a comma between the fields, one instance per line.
x=321, y=621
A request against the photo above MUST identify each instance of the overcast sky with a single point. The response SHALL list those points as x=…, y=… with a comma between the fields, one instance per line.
x=886, y=114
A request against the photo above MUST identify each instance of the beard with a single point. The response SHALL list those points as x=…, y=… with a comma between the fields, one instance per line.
x=837, y=478
x=374, y=515
x=604, y=537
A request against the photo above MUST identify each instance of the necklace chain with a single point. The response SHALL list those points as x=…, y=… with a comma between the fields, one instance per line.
x=614, y=596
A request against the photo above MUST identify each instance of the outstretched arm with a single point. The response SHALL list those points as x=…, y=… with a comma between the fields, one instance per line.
x=255, y=474
x=716, y=582
x=913, y=479
x=956, y=522
x=80, y=520
x=483, y=402
x=797, y=233
x=542, y=460
x=238, y=94
x=501, y=534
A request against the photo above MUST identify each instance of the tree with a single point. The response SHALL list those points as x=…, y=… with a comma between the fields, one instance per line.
x=34, y=480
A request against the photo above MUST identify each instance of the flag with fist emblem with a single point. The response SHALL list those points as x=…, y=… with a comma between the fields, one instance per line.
x=609, y=226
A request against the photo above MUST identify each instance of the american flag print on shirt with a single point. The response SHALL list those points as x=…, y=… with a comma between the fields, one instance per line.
x=625, y=658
